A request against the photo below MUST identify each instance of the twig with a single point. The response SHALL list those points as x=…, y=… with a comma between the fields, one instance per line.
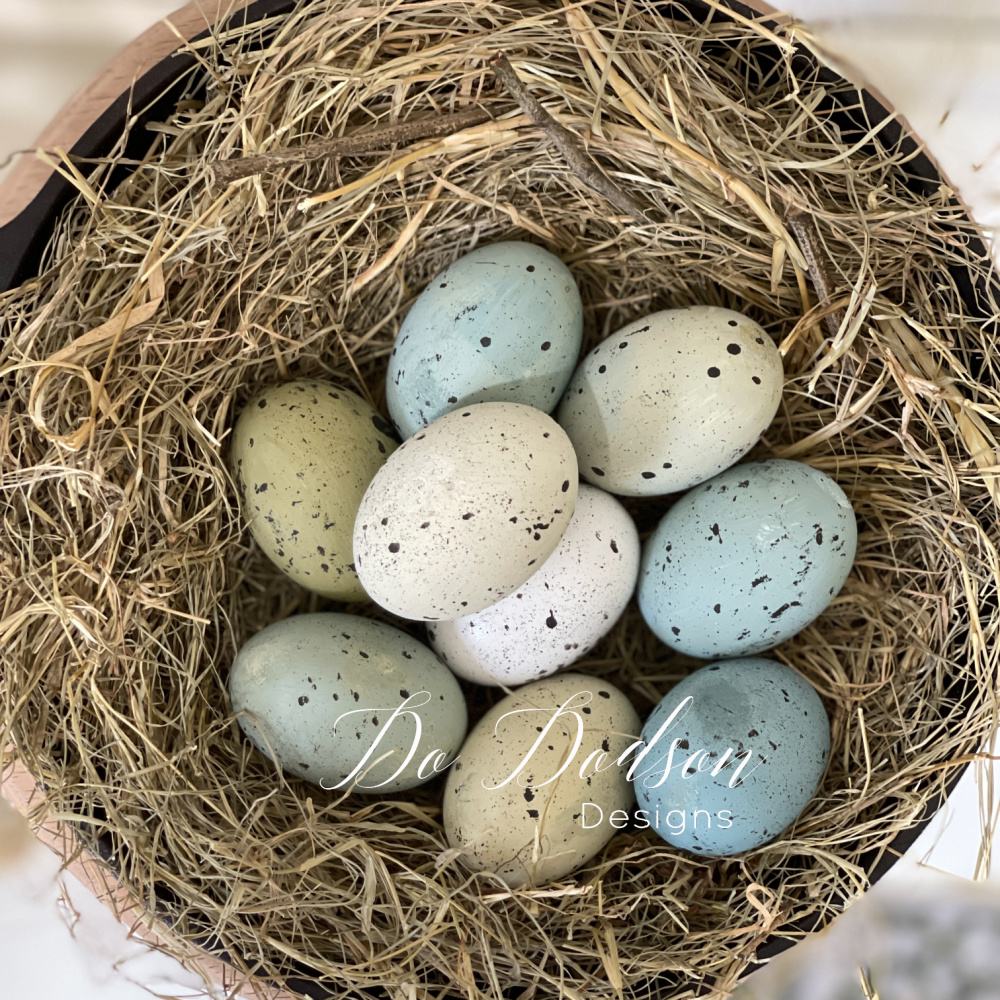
x=569, y=144
x=366, y=140
x=820, y=269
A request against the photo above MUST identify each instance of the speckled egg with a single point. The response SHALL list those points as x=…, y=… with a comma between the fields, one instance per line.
x=504, y=323
x=733, y=755
x=465, y=511
x=671, y=400
x=746, y=560
x=303, y=454
x=324, y=695
x=537, y=783
x=554, y=618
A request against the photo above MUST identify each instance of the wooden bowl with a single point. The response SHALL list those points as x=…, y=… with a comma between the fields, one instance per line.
x=146, y=77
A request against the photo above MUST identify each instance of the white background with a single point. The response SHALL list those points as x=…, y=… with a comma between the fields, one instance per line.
x=924, y=932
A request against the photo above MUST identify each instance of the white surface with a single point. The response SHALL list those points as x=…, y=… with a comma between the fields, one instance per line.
x=929, y=57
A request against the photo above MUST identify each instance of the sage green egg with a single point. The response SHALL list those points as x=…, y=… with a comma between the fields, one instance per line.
x=303, y=454
x=327, y=695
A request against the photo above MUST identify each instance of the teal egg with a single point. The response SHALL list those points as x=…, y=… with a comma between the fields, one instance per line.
x=502, y=324
x=743, y=747
x=747, y=559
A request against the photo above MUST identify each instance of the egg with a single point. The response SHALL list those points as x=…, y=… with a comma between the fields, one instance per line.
x=671, y=400
x=465, y=511
x=303, y=454
x=327, y=694
x=734, y=753
x=504, y=323
x=560, y=612
x=537, y=782
x=746, y=560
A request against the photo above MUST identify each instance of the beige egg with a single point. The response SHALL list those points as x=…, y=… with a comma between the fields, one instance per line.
x=303, y=454
x=671, y=400
x=537, y=790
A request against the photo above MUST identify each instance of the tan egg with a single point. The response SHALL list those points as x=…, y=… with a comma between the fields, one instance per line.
x=303, y=454
x=537, y=790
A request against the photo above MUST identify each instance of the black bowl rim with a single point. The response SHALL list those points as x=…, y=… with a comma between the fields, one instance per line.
x=22, y=241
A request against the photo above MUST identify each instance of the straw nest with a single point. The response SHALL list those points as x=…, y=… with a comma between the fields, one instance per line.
x=129, y=580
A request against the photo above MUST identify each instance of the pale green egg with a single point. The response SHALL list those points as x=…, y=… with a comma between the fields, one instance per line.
x=317, y=693
x=303, y=454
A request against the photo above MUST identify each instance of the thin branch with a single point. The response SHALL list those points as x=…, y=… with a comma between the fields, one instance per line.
x=820, y=269
x=366, y=140
x=569, y=144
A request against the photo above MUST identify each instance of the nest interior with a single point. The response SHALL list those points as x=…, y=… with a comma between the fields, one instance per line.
x=163, y=303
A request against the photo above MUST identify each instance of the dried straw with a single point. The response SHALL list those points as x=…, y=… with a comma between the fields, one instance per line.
x=129, y=581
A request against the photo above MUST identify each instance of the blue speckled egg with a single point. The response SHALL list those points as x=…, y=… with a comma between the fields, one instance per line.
x=743, y=747
x=502, y=324
x=746, y=560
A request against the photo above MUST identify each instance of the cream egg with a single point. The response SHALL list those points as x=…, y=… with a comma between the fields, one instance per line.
x=467, y=510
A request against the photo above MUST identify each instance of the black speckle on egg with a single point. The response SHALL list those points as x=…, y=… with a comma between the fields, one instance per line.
x=596, y=471
x=649, y=475
x=733, y=348
x=551, y=622
x=385, y=521
x=714, y=372
x=453, y=399
x=760, y=340
x=393, y=546
x=614, y=546
x=756, y=380
x=546, y=345
x=675, y=630
x=668, y=465
x=262, y=403
x=467, y=515
x=485, y=341
x=530, y=267
x=565, y=486
x=602, y=369
x=303, y=699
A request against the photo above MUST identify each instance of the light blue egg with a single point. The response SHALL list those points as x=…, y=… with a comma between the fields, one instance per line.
x=502, y=324
x=735, y=764
x=747, y=559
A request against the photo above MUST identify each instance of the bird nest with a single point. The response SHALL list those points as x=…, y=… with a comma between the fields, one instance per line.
x=750, y=177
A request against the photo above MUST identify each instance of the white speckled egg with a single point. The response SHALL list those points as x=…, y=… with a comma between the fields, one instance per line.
x=504, y=323
x=555, y=617
x=319, y=692
x=506, y=804
x=746, y=560
x=465, y=511
x=671, y=400
x=735, y=751
x=303, y=454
